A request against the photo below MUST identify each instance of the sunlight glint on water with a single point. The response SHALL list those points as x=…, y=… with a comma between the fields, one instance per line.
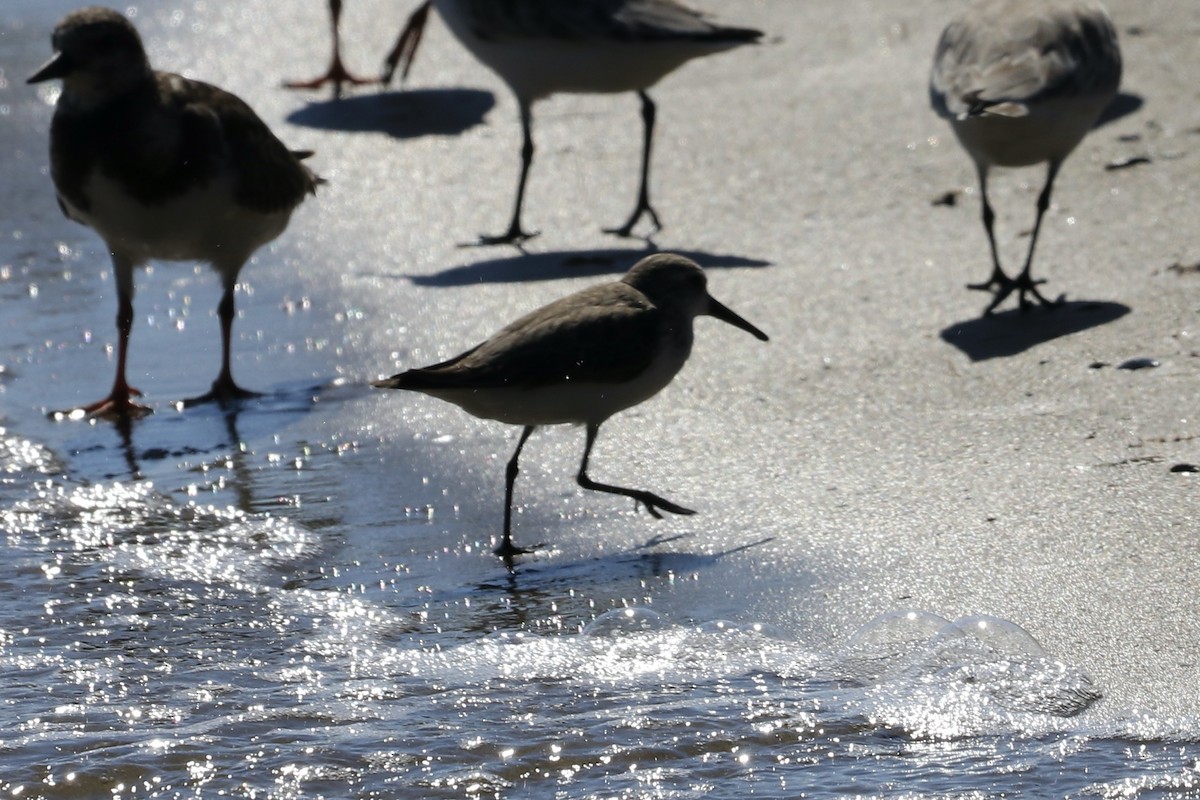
x=167, y=650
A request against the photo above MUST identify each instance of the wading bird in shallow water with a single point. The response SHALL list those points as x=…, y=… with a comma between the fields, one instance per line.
x=544, y=47
x=162, y=167
x=580, y=360
x=1022, y=82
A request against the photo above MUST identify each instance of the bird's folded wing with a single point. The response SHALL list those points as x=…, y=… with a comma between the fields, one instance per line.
x=975, y=71
x=613, y=20
x=268, y=177
x=606, y=342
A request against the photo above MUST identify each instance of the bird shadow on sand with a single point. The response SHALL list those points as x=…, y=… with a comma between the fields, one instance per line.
x=1122, y=105
x=409, y=114
x=556, y=265
x=1009, y=333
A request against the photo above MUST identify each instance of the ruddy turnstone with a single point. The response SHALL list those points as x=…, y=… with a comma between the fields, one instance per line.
x=162, y=167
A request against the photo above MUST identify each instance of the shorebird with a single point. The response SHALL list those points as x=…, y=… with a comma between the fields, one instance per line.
x=544, y=47
x=580, y=360
x=1022, y=82
x=162, y=167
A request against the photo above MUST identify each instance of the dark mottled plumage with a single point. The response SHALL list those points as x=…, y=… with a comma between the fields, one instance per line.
x=162, y=167
x=168, y=135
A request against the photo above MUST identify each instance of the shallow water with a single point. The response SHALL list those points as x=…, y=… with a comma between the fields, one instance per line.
x=159, y=648
x=296, y=598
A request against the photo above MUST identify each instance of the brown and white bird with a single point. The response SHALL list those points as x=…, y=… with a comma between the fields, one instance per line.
x=1021, y=83
x=545, y=47
x=162, y=167
x=580, y=360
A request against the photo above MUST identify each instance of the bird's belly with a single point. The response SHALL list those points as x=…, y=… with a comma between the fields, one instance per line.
x=202, y=224
x=560, y=403
x=537, y=67
x=1050, y=131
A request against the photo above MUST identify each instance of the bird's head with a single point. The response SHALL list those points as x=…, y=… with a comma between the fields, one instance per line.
x=676, y=283
x=97, y=54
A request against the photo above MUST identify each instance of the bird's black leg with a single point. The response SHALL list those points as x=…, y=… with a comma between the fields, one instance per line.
x=405, y=50
x=224, y=389
x=506, y=549
x=652, y=502
x=1024, y=282
x=515, y=234
x=999, y=284
x=643, y=204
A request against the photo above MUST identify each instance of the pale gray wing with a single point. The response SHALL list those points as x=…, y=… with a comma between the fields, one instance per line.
x=628, y=20
x=1017, y=54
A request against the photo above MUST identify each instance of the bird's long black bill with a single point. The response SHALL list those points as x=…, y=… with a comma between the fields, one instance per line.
x=721, y=312
x=57, y=67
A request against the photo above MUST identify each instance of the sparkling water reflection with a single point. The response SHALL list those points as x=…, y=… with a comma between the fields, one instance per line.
x=153, y=648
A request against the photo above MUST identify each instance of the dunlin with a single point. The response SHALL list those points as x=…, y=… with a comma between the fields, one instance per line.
x=580, y=360
x=162, y=167
x=1022, y=82
x=544, y=47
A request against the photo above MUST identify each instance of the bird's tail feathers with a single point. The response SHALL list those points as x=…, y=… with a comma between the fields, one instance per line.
x=977, y=107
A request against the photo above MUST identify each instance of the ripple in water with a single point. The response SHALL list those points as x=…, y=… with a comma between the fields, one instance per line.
x=153, y=648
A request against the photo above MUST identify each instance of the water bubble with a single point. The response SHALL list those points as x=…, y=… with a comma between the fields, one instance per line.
x=896, y=632
x=995, y=634
x=625, y=620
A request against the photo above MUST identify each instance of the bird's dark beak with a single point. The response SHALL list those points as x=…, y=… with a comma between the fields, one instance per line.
x=722, y=313
x=57, y=67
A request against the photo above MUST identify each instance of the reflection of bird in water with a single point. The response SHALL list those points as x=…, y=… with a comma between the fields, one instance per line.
x=162, y=167
x=1022, y=82
x=580, y=360
x=544, y=47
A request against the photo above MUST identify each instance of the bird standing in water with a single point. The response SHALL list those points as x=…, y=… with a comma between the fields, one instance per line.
x=580, y=360
x=162, y=167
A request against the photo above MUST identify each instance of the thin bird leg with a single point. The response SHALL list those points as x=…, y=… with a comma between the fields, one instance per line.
x=652, y=502
x=643, y=204
x=337, y=74
x=1025, y=284
x=224, y=390
x=119, y=403
x=998, y=282
x=506, y=548
x=515, y=234
x=405, y=50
